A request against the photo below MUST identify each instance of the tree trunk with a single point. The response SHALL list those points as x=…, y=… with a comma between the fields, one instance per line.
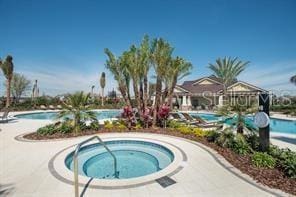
x=164, y=95
x=128, y=95
x=8, y=93
x=142, y=97
x=225, y=95
x=102, y=96
x=240, y=129
x=137, y=97
x=157, y=99
x=124, y=95
x=240, y=124
x=76, y=123
x=145, y=92
x=171, y=92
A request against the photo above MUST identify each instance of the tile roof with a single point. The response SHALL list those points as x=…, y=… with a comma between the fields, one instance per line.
x=213, y=88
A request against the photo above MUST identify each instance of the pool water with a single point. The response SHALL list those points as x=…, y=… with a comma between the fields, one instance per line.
x=53, y=115
x=207, y=117
x=134, y=159
x=276, y=125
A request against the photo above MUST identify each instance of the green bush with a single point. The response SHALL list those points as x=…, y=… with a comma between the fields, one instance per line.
x=263, y=160
x=174, y=124
x=108, y=125
x=287, y=161
x=226, y=139
x=94, y=125
x=240, y=145
x=83, y=126
x=199, y=132
x=275, y=151
x=65, y=127
x=185, y=130
x=212, y=135
x=47, y=130
x=253, y=141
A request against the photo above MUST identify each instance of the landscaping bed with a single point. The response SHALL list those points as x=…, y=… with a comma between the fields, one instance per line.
x=272, y=177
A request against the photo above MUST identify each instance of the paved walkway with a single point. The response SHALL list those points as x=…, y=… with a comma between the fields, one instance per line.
x=24, y=169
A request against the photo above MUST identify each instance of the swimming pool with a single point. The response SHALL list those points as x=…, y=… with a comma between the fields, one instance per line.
x=276, y=125
x=102, y=114
x=207, y=117
x=134, y=159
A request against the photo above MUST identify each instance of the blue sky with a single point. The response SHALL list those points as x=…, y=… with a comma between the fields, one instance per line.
x=61, y=43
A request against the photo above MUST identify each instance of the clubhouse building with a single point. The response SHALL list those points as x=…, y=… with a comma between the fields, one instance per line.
x=207, y=93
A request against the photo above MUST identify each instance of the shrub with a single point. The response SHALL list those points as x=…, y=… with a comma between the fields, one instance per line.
x=108, y=125
x=128, y=115
x=163, y=114
x=253, y=141
x=199, y=132
x=287, y=162
x=138, y=126
x=240, y=145
x=65, y=128
x=185, y=130
x=226, y=139
x=212, y=135
x=263, y=160
x=83, y=126
x=275, y=151
x=121, y=127
x=174, y=124
x=94, y=125
x=47, y=130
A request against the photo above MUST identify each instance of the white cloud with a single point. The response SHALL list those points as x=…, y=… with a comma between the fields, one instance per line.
x=60, y=80
x=275, y=77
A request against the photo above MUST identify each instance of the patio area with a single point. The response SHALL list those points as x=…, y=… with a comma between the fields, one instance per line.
x=26, y=169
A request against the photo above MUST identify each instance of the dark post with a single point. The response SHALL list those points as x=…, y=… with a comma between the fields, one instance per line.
x=264, y=132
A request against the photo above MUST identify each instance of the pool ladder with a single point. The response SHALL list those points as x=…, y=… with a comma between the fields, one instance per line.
x=75, y=158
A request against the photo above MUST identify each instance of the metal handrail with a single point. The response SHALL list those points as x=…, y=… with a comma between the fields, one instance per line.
x=75, y=158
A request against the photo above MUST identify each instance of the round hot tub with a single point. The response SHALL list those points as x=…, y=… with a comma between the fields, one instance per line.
x=134, y=159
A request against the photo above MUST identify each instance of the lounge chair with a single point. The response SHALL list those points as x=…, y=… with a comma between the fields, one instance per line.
x=59, y=107
x=51, y=107
x=43, y=107
x=181, y=118
x=175, y=116
x=199, y=122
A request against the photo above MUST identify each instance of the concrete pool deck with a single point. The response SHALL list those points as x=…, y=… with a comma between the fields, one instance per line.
x=25, y=169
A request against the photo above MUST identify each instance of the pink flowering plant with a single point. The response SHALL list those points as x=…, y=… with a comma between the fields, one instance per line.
x=163, y=114
x=128, y=115
x=147, y=117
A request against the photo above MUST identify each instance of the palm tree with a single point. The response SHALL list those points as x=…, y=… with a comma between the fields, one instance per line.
x=241, y=108
x=151, y=90
x=144, y=52
x=293, y=79
x=76, y=106
x=92, y=90
x=161, y=53
x=103, y=84
x=7, y=68
x=117, y=66
x=228, y=69
x=179, y=69
x=133, y=67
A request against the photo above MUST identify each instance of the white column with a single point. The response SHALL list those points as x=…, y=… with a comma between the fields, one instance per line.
x=189, y=105
x=189, y=101
x=184, y=102
x=220, y=101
